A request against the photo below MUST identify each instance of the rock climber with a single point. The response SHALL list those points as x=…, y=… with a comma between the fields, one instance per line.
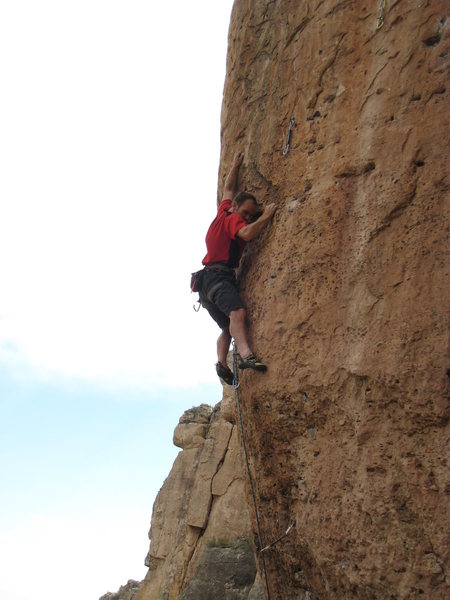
x=239, y=220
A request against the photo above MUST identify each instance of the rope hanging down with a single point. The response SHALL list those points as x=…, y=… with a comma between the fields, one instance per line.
x=258, y=526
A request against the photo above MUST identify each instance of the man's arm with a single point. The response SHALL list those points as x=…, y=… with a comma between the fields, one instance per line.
x=251, y=231
x=229, y=189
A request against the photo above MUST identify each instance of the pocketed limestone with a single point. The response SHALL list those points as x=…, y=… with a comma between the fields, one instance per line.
x=347, y=290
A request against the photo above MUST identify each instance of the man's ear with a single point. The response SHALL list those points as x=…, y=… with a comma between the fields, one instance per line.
x=234, y=206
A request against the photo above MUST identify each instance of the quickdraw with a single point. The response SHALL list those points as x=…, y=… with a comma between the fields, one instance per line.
x=380, y=20
x=287, y=532
x=289, y=134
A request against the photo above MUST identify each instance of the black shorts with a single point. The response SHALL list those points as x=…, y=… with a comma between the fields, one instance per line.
x=220, y=295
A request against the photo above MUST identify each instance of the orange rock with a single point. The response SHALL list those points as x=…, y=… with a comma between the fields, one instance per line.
x=347, y=290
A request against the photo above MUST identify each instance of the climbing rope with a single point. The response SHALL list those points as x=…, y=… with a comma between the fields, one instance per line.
x=247, y=464
x=380, y=20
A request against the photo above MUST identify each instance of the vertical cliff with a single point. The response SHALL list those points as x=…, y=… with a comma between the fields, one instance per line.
x=201, y=540
x=347, y=291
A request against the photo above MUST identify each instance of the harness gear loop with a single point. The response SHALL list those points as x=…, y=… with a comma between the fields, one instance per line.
x=289, y=134
x=380, y=20
x=236, y=385
x=196, y=279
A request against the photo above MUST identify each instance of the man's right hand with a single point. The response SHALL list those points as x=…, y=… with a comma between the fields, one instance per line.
x=251, y=231
x=269, y=211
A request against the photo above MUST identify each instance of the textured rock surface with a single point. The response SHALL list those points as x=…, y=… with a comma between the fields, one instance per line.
x=227, y=573
x=200, y=531
x=347, y=290
x=126, y=592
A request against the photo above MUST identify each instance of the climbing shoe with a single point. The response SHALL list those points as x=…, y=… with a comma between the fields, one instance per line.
x=251, y=362
x=224, y=373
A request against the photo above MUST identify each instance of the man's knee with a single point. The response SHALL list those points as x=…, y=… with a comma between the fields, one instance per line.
x=238, y=315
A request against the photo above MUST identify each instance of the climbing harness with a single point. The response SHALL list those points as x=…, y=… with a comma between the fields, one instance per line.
x=380, y=20
x=196, y=286
x=289, y=134
x=247, y=464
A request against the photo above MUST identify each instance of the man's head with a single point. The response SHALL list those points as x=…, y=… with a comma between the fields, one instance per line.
x=245, y=204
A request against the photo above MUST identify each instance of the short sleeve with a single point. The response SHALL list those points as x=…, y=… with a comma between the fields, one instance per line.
x=233, y=224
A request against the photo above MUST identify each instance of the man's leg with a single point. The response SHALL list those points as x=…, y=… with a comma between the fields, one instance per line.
x=223, y=345
x=238, y=329
x=228, y=302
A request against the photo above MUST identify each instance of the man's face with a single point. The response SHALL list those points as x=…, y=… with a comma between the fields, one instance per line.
x=248, y=210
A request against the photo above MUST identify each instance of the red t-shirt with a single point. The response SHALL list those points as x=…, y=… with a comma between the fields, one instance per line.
x=222, y=245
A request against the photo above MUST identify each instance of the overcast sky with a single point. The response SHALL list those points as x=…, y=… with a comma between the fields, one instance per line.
x=109, y=154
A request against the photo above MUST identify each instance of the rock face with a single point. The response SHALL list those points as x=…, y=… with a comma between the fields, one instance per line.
x=347, y=292
x=201, y=541
x=126, y=592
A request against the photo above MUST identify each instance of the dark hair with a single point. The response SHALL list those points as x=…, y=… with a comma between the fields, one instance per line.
x=243, y=196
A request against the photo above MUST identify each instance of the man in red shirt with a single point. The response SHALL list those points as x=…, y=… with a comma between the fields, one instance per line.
x=239, y=220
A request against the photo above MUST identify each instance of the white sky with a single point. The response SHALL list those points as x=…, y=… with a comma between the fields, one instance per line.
x=109, y=150
x=69, y=558
x=109, y=154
